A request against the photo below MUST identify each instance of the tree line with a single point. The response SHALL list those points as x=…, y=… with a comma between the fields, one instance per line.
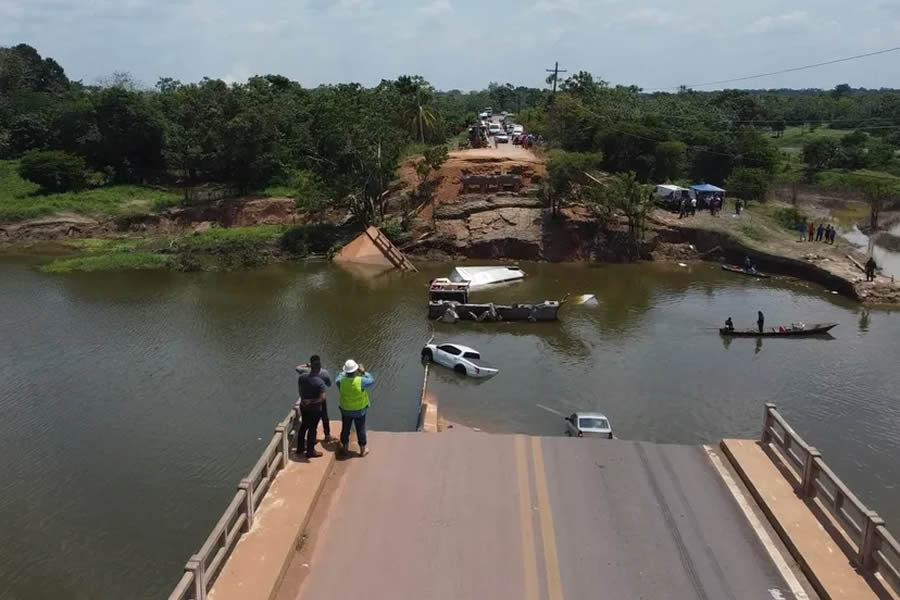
x=342, y=143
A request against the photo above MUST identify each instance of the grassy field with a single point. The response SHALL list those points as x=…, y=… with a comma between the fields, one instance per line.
x=20, y=199
x=794, y=137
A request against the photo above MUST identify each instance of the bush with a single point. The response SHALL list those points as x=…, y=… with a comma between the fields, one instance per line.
x=309, y=190
x=392, y=229
x=309, y=239
x=54, y=170
x=789, y=217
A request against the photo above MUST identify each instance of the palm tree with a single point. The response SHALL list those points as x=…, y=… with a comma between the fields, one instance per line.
x=418, y=98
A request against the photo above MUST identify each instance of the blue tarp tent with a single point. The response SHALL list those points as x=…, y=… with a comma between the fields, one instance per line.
x=705, y=187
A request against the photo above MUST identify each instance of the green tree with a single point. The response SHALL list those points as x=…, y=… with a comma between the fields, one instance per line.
x=566, y=174
x=632, y=198
x=418, y=97
x=433, y=158
x=876, y=191
x=749, y=184
x=821, y=153
x=130, y=140
x=311, y=192
x=54, y=170
x=671, y=160
x=879, y=153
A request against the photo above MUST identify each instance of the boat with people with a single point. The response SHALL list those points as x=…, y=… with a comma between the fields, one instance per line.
x=792, y=330
x=752, y=272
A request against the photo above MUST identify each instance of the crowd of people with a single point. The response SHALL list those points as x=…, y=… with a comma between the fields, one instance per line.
x=822, y=233
x=687, y=204
x=353, y=384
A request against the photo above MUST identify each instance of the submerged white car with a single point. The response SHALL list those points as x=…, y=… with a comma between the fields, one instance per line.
x=461, y=359
x=588, y=425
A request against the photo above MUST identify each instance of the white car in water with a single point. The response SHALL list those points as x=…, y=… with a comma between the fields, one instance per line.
x=588, y=425
x=461, y=359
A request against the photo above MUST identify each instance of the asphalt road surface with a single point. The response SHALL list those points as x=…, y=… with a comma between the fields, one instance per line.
x=469, y=515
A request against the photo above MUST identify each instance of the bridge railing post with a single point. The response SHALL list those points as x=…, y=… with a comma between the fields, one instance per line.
x=808, y=483
x=247, y=485
x=869, y=545
x=282, y=430
x=195, y=566
x=767, y=422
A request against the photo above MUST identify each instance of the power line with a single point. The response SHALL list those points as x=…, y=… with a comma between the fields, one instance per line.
x=791, y=70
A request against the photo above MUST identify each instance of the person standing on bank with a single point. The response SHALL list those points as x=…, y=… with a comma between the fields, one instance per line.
x=313, y=382
x=760, y=320
x=353, y=384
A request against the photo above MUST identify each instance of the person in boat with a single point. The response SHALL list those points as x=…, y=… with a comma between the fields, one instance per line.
x=729, y=324
x=748, y=265
x=760, y=320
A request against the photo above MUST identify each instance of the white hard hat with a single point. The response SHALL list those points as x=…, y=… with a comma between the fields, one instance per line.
x=350, y=367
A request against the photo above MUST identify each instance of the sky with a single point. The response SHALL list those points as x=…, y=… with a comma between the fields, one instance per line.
x=464, y=44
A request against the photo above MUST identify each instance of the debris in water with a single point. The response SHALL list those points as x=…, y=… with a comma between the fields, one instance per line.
x=682, y=265
x=585, y=299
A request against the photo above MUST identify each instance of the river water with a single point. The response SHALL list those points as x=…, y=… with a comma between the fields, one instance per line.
x=133, y=403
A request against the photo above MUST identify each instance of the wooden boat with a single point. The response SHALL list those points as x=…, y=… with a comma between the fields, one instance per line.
x=809, y=330
x=742, y=271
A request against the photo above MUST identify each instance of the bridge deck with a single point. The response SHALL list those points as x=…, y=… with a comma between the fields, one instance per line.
x=471, y=515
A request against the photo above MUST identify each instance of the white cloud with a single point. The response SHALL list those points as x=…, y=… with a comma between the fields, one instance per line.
x=436, y=8
x=787, y=22
x=575, y=7
x=651, y=16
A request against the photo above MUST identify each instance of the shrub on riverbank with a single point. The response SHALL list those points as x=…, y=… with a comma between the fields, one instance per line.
x=317, y=238
x=226, y=248
x=114, y=261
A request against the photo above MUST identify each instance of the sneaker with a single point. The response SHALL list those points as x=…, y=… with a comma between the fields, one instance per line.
x=363, y=451
x=313, y=454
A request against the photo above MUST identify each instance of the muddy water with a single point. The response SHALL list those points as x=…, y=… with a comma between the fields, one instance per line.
x=887, y=260
x=133, y=403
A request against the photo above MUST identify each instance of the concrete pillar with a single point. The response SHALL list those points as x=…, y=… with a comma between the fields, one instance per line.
x=807, y=485
x=247, y=486
x=767, y=420
x=282, y=430
x=195, y=565
x=869, y=545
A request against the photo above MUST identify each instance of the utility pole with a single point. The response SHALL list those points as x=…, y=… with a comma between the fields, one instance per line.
x=556, y=71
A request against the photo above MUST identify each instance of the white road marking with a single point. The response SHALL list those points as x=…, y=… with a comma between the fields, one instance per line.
x=792, y=582
x=547, y=408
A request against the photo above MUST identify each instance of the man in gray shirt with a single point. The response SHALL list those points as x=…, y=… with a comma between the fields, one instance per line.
x=312, y=405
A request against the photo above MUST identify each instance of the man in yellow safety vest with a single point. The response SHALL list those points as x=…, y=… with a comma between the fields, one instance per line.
x=353, y=383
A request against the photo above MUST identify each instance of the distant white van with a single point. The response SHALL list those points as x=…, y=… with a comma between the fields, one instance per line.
x=494, y=128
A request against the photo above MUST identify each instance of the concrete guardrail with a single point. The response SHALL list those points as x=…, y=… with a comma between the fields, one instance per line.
x=876, y=550
x=202, y=568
